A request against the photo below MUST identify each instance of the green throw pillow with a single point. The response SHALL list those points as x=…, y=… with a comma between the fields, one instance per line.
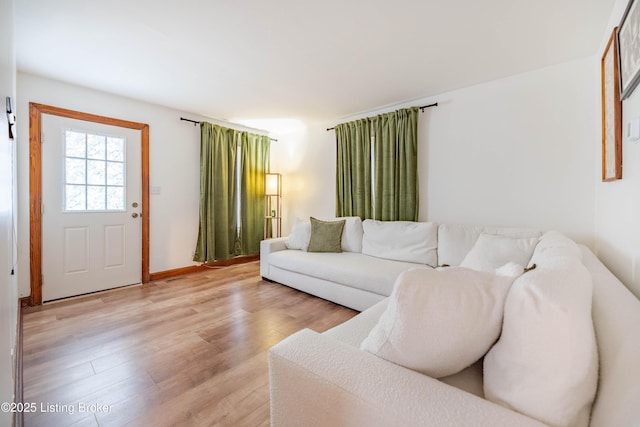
x=325, y=236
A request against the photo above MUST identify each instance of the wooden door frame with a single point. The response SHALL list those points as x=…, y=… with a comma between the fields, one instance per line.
x=35, y=186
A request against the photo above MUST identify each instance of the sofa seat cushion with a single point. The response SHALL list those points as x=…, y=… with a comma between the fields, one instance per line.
x=405, y=241
x=347, y=268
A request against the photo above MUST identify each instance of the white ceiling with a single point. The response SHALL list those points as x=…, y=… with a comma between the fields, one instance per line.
x=314, y=60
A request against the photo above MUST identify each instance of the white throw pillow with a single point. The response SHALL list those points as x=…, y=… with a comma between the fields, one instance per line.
x=300, y=235
x=553, y=245
x=456, y=240
x=491, y=251
x=545, y=364
x=401, y=241
x=351, y=234
x=441, y=321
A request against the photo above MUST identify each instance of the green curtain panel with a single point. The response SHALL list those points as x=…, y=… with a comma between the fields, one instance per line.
x=396, y=165
x=254, y=163
x=218, y=225
x=353, y=171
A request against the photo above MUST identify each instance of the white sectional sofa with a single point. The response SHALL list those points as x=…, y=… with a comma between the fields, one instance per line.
x=328, y=380
x=357, y=280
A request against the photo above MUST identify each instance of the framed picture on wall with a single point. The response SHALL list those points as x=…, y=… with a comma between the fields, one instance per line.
x=629, y=45
x=611, y=113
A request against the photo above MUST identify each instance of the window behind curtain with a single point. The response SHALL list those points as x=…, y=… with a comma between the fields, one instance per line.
x=232, y=167
x=376, y=171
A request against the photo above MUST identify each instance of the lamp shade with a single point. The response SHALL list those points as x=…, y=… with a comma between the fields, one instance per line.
x=272, y=184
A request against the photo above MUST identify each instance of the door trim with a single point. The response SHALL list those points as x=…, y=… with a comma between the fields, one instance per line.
x=35, y=186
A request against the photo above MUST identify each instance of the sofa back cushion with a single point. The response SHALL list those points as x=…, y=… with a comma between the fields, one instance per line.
x=352, y=233
x=401, y=241
x=492, y=251
x=455, y=241
x=351, y=240
x=553, y=245
x=300, y=235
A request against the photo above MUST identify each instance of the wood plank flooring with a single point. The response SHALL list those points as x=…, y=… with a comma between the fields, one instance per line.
x=185, y=351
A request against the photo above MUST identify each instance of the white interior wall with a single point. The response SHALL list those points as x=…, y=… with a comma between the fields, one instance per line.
x=617, y=203
x=174, y=167
x=516, y=152
x=306, y=159
x=8, y=286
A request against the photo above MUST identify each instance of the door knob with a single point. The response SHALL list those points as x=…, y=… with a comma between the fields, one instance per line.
x=134, y=215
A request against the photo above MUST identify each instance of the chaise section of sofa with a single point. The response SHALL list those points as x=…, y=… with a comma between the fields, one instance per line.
x=326, y=379
x=316, y=380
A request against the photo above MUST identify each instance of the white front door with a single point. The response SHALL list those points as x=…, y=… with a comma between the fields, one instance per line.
x=91, y=202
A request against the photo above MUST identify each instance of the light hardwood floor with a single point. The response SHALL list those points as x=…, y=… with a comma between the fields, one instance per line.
x=185, y=351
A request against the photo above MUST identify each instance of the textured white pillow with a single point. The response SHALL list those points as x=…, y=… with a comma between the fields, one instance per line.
x=491, y=251
x=441, y=321
x=401, y=241
x=300, y=235
x=545, y=363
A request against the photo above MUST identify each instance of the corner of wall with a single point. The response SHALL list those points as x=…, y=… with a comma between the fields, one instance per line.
x=617, y=203
x=8, y=289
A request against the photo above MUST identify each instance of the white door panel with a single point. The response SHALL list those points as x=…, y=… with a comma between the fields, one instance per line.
x=76, y=250
x=86, y=246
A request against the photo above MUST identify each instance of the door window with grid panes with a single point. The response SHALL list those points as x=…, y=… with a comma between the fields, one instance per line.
x=94, y=172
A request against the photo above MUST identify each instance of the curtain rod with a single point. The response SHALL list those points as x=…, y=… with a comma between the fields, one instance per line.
x=435, y=104
x=195, y=122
